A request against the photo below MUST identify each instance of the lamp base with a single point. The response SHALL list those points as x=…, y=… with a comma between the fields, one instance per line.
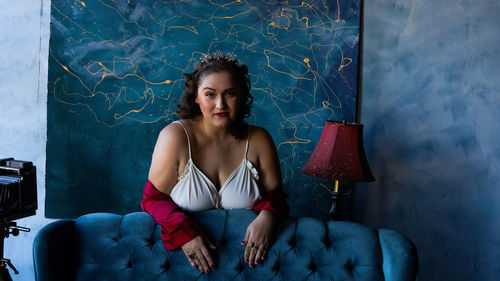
x=334, y=214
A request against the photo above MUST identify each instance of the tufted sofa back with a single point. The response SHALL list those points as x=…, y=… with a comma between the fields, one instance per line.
x=105, y=246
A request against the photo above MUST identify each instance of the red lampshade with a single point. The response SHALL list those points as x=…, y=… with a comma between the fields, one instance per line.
x=339, y=154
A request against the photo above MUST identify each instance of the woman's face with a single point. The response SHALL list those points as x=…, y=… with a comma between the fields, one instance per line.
x=219, y=98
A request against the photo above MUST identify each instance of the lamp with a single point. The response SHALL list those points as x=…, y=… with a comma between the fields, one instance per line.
x=339, y=155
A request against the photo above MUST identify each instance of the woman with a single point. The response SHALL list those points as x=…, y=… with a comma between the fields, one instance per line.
x=212, y=159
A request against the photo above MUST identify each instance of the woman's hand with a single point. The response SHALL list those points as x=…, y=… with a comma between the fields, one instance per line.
x=198, y=254
x=257, y=238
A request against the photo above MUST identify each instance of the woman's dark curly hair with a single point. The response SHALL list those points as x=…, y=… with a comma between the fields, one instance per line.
x=218, y=62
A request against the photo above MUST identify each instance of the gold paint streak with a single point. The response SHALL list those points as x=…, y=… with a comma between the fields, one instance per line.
x=224, y=5
x=73, y=22
x=283, y=57
x=234, y=16
x=327, y=188
x=118, y=116
x=71, y=73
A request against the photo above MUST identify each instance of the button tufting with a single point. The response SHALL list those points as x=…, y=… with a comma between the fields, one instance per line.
x=277, y=266
x=312, y=266
x=151, y=243
x=240, y=266
x=166, y=265
x=129, y=263
x=327, y=243
x=349, y=266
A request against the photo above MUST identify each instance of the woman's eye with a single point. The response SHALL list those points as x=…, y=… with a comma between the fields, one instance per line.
x=231, y=94
x=210, y=95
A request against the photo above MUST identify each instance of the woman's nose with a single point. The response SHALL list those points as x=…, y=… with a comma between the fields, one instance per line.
x=220, y=103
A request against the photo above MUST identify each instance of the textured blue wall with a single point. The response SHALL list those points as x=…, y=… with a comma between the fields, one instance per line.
x=431, y=105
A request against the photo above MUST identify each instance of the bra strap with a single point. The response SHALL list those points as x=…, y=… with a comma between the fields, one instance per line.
x=187, y=134
x=248, y=140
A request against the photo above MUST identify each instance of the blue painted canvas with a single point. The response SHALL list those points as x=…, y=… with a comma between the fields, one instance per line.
x=116, y=70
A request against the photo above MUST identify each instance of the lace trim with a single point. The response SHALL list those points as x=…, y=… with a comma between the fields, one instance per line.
x=185, y=173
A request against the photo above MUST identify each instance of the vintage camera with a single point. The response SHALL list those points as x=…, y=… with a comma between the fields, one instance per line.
x=18, y=197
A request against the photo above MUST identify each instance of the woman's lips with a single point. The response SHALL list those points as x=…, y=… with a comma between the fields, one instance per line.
x=221, y=114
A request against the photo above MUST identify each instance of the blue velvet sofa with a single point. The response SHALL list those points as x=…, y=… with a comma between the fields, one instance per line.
x=104, y=246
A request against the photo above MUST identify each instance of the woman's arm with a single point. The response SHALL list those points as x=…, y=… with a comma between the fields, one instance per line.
x=273, y=199
x=169, y=150
x=272, y=205
x=178, y=229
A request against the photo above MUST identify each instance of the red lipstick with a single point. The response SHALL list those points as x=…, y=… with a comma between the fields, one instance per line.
x=221, y=114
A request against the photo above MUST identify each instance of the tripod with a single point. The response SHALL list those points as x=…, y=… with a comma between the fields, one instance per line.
x=7, y=228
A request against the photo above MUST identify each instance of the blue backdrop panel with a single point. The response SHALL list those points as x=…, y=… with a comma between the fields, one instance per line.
x=115, y=73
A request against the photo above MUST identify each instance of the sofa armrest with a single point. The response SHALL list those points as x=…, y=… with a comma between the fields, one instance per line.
x=399, y=256
x=54, y=252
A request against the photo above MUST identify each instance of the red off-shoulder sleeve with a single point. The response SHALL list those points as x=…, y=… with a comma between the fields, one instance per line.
x=177, y=227
x=275, y=202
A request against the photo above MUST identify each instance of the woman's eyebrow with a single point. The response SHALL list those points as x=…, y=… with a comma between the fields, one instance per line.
x=230, y=89
x=212, y=89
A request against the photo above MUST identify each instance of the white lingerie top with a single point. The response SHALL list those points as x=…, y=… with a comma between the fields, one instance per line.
x=194, y=191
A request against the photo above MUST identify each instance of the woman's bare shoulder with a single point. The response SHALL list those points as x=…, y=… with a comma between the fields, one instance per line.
x=170, y=150
x=172, y=135
x=260, y=138
x=259, y=132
